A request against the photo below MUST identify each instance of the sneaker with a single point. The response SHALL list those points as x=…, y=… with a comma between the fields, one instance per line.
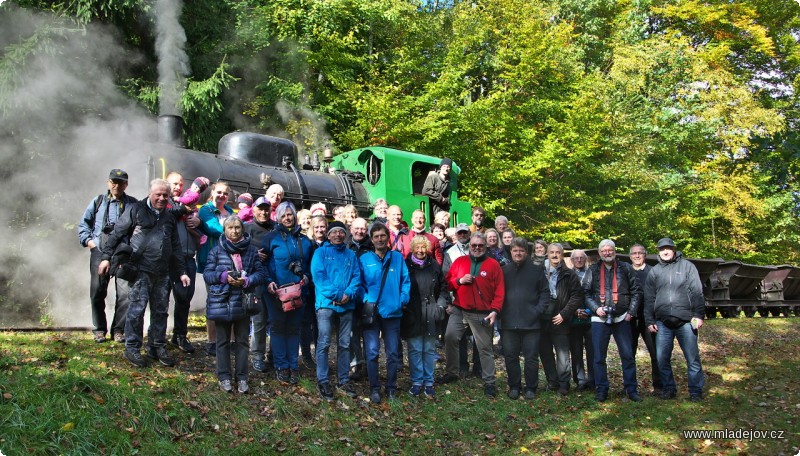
x=530, y=395
x=667, y=395
x=415, y=390
x=391, y=394
x=211, y=348
x=119, y=337
x=513, y=394
x=375, y=396
x=634, y=396
x=242, y=387
x=160, y=354
x=99, y=336
x=183, y=344
x=430, y=392
x=135, y=357
x=308, y=363
x=282, y=375
x=325, y=391
x=259, y=365
x=226, y=386
x=447, y=378
x=294, y=377
x=349, y=390
x=696, y=397
x=490, y=390
x=601, y=396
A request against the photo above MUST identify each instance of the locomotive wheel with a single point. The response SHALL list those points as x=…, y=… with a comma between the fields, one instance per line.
x=711, y=312
x=749, y=311
x=775, y=311
x=763, y=312
x=729, y=312
x=786, y=311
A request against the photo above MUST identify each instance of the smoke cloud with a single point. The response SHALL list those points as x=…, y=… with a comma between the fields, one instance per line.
x=173, y=63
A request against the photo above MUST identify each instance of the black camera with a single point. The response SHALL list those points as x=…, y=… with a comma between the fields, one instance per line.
x=234, y=275
x=108, y=228
x=296, y=268
x=609, y=310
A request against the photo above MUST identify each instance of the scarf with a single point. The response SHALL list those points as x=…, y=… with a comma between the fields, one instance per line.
x=614, y=291
x=238, y=247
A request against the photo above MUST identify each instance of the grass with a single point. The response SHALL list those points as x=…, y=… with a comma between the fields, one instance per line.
x=60, y=393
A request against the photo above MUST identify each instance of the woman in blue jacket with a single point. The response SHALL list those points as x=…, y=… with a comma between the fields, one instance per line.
x=288, y=261
x=232, y=268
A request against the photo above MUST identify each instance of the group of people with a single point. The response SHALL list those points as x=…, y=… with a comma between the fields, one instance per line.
x=294, y=279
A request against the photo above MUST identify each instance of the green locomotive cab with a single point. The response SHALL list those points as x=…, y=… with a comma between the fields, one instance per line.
x=398, y=176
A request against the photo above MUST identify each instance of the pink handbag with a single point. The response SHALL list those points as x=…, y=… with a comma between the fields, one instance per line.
x=290, y=296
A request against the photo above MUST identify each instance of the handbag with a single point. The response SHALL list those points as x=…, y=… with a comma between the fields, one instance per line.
x=251, y=303
x=290, y=296
x=368, y=309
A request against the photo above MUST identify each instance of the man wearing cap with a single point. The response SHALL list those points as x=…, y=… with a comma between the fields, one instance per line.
x=257, y=229
x=189, y=244
x=337, y=279
x=437, y=187
x=153, y=234
x=674, y=308
x=97, y=223
x=614, y=297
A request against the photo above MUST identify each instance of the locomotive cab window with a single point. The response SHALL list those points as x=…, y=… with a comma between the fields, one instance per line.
x=373, y=169
x=419, y=172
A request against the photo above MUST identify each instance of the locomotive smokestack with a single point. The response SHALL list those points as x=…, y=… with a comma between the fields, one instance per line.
x=170, y=130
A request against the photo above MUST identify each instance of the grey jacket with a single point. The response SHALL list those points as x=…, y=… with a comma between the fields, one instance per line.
x=673, y=290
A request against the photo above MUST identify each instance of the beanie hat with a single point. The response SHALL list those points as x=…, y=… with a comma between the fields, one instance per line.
x=202, y=183
x=245, y=198
x=446, y=161
x=336, y=225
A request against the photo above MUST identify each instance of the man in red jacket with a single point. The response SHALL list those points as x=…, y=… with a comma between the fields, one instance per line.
x=478, y=290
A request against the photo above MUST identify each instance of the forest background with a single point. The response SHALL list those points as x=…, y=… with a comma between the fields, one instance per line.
x=577, y=119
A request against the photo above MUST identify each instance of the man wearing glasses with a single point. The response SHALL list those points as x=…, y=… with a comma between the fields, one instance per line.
x=478, y=217
x=638, y=327
x=580, y=333
x=479, y=289
x=97, y=223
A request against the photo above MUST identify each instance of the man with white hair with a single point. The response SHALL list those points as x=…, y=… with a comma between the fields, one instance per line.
x=614, y=297
x=153, y=235
x=274, y=195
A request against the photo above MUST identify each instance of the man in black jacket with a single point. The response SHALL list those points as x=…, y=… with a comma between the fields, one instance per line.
x=674, y=308
x=257, y=229
x=614, y=298
x=153, y=236
x=638, y=255
x=527, y=298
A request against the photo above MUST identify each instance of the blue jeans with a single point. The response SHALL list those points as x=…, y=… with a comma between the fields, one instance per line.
x=687, y=338
x=153, y=289
x=284, y=333
x=601, y=336
x=421, y=359
x=326, y=319
x=389, y=328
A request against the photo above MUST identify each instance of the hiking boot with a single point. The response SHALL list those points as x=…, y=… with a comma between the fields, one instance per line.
x=119, y=337
x=160, y=354
x=601, y=396
x=375, y=396
x=308, y=363
x=530, y=395
x=99, y=336
x=634, y=396
x=349, y=390
x=490, y=390
x=183, y=344
x=667, y=395
x=513, y=394
x=294, y=377
x=415, y=390
x=226, y=386
x=563, y=391
x=325, y=391
x=259, y=365
x=430, y=393
x=391, y=394
x=696, y=397
x=282, y=375
x=135, y=357
x=242, y=387
x=211, y=348
x=447, y=378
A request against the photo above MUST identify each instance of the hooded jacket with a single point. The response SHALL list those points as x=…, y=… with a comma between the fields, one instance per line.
x=336, y=272
x=673, y=290
x=397, y=287
x=224, y=302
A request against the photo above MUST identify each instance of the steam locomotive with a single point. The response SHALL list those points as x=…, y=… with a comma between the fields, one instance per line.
x=251, y=162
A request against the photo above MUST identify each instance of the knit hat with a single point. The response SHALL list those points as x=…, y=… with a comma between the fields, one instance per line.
x=283, y=207
x=245, y=198
x=446, y=161
x=202, y=183
x=318, y=209
x=336, y=225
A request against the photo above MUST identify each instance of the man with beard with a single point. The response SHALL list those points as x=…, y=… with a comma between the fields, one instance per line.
x=257, y=229
x=675, y=308
x=479, y=289
x=614, y=297
x=478, y=217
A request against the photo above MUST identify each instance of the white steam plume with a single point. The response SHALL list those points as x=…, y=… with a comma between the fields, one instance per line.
x=173, y=63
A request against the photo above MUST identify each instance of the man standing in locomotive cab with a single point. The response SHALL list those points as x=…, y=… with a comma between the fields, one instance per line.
x=674, y=309
x=638, y=327
x=257, y=229
x=97, y=223
x=437, y=187
x=614, y=297
x=183, y=295
x=153, y=234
